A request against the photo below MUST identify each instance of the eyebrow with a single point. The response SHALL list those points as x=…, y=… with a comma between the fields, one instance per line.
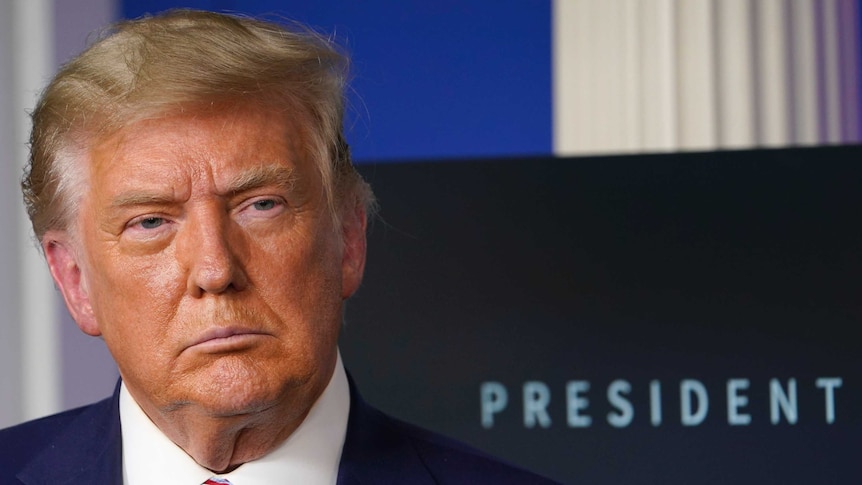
x=253, y=178
x=262, y=176
x=140, y=198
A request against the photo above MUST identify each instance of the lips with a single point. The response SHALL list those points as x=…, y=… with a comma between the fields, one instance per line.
x=225, y=338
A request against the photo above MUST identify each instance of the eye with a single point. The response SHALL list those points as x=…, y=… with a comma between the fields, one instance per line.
x=151, y=222
x=260, y=209
x=264, y=204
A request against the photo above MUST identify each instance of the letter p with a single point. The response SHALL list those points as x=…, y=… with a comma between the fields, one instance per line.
x=494, y=399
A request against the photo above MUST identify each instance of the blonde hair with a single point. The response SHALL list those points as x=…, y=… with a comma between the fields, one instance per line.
x=184, y=59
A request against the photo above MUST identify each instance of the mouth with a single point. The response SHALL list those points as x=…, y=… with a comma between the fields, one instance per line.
x=226, y=339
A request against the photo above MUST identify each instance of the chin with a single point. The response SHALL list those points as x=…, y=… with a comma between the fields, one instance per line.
x=232, y=388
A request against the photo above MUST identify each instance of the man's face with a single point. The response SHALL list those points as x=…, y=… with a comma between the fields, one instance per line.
x=207, y=259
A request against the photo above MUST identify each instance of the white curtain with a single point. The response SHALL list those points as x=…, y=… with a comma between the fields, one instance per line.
x=665, y=75
x=29, y=355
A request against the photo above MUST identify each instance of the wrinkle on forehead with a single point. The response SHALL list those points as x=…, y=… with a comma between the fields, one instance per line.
x=199, y=138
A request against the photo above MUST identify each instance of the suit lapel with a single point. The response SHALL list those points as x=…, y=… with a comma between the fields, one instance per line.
x=376, y=450
x=88, y=450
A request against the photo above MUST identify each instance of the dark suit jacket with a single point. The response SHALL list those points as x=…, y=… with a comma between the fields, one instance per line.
x=83, y=446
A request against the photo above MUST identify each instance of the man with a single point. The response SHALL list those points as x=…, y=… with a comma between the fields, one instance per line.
x=195, y=200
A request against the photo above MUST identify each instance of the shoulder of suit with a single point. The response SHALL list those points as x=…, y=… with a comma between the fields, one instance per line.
x=21, y=443
x=454, y=462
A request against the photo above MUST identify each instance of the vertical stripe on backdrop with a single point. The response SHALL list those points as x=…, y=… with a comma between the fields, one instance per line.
x=772, y=67
x=656, y=79
x=829, y=68
x=696, y=75
x=849, y=55
x=805, y=114
x=33, y=63
x=572, y=96
x=735, y=73
x=10, y=329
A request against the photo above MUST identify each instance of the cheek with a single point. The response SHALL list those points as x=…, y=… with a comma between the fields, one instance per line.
x=300, y=281
x=134, y=299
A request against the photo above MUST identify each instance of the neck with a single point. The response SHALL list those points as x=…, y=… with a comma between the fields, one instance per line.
x=223, y=444
x=222, y=441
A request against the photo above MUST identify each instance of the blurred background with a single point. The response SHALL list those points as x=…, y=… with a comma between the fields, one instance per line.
x=449, y=88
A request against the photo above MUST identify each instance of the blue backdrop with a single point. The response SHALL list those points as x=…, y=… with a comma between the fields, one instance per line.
x=441, y=79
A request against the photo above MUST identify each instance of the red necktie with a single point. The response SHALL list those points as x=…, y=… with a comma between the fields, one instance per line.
x=216, y=481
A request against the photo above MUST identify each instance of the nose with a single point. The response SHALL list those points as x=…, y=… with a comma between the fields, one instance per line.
x=209, y=249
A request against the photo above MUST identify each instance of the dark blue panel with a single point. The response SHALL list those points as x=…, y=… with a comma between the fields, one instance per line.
x=711, y=266
x=434, y=79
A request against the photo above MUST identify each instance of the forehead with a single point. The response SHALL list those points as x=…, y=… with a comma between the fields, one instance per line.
x=204, y=144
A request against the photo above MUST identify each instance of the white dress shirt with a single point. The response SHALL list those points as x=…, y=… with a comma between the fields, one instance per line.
x=310, y=455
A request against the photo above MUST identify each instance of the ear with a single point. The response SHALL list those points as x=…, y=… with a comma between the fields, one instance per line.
x=62, y=257
x=353, y=225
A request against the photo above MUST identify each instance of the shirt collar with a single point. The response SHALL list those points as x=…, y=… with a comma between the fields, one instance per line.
x=309, y=456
